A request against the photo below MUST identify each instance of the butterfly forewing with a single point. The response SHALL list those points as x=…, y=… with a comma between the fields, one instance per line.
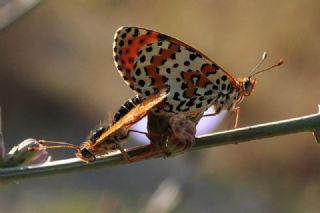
x=149, y=61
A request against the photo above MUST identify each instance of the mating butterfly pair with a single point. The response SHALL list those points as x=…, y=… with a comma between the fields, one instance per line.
x=170, y=78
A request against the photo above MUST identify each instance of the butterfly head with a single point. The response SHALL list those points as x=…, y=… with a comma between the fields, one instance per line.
x=85, y=154
x=247, y=85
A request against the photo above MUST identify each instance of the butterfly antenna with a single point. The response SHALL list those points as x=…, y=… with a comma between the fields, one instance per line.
x=44, y=144
x=280, y=62
x=263, y=57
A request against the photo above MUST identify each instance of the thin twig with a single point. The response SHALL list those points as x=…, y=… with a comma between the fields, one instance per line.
x=2, y=147
x=295, y=125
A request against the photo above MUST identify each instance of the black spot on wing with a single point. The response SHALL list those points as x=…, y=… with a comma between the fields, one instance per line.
x=209, y=92
x=149, y=49
x=199, y=105
x=124, y=35
x=176, y=96
x=191, y=102
x=141, y=83
x=192, y=56
x=142, y=58
x=163, y=37
x=180, y=105
x=136, y=32
x=175, y=65
x=138, y=72
x=147, y=93
x=223, y=86
x=184, y=86
x=216, y=66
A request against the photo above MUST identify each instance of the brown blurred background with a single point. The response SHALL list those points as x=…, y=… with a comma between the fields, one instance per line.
x=58, y=80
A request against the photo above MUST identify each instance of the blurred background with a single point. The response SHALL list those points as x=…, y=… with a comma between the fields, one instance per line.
x=58, y=81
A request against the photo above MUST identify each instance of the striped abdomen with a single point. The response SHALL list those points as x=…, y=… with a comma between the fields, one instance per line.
x=126, y=107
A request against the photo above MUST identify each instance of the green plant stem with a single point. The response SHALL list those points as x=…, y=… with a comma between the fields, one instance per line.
x=295, y=125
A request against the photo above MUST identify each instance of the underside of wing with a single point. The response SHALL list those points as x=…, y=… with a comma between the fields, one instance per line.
x=149, y=61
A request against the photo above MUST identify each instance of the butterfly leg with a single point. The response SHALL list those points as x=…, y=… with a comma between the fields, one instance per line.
x=123, y=152
x=231, y=119
x=237, y=110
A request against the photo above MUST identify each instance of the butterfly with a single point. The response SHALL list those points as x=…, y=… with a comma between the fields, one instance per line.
x=149, y=61
x=107, y=138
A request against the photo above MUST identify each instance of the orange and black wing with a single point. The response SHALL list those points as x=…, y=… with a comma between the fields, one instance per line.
x=149, y=61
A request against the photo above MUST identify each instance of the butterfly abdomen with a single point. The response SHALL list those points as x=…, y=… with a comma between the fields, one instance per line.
x=122, y=111
x=126, y=107
x=97, y=133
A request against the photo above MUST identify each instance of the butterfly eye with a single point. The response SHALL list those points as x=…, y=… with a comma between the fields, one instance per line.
x=87, y=155
x=247, y=86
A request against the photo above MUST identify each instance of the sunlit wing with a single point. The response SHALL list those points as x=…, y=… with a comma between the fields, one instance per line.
x=148, y=60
